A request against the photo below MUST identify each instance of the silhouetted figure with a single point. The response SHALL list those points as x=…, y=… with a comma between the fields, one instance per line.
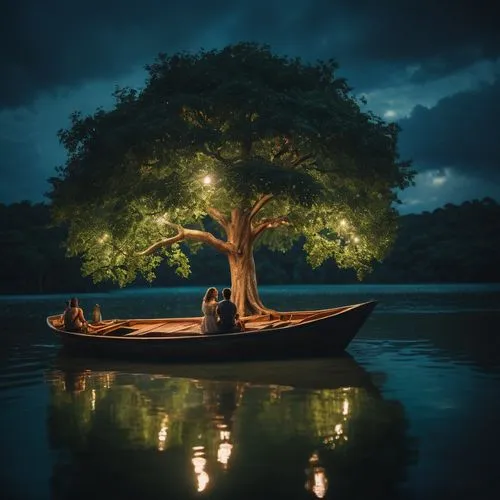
x=228, y=314
x=74, y=320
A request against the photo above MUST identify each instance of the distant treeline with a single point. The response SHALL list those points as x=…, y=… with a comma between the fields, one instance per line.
x=451, y=244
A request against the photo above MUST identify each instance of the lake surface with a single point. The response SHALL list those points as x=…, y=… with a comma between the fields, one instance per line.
x=411, y=411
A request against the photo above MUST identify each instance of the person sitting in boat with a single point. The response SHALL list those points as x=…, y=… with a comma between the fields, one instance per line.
x=66, y=307
x=228, y=314
x=74, y=320
x=208, y=308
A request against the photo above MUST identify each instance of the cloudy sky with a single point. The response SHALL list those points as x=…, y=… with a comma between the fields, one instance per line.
x=431, y=65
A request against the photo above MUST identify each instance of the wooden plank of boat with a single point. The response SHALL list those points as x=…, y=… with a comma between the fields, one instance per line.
x=171, y=327
x=111, y=326
x=145, y=329
x=260, y=325
x=161, y=329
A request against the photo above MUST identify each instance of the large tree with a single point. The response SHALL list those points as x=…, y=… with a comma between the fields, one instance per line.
x=229, y=148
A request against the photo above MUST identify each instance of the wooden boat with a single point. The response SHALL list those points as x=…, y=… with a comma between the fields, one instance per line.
x=292, y=334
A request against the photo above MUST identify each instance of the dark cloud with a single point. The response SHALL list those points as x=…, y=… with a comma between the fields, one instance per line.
x=53, y=43
x=460, y=132
x=438, y=37
x=20, y=177
x=63, y=43
x=61, y=55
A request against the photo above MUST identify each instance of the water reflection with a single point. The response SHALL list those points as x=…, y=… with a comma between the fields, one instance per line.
x=199, y=462
x=163, y=433
x=222, y=401
x=317, y=482
x=143, y=428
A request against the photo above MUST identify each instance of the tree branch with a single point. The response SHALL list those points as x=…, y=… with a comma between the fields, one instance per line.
x=215, y=154
x=189, y=234
x=284, y=148
x=218, y=217
x=165, y=242
x=209, y=239
x=259, y=204
x=302, y=159
x=269, y=224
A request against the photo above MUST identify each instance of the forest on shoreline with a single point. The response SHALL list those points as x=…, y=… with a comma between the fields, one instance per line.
x=452, y=244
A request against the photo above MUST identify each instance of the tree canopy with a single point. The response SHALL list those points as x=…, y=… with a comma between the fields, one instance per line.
x=265, y=147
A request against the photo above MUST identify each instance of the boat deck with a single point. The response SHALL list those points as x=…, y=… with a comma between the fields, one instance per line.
x=175, y=327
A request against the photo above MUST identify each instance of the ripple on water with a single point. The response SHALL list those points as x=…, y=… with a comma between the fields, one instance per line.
x=24, y=368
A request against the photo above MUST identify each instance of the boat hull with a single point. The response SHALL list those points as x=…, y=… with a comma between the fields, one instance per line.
x=322, y=337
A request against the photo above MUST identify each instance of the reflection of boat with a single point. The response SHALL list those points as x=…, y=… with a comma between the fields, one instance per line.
x=324, y=373
x=271, y=336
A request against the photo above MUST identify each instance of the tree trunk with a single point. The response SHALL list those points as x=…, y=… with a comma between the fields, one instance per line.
x=242, y=266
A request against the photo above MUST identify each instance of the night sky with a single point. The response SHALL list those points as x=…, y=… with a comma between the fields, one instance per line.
x=431, y=65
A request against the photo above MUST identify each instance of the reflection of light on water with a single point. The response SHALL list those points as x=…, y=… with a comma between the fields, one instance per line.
x=199, y=462
x=339, y=431
x=225, y=435
x=274, y=393
x=224, y=452
x=79, y=384
x=337, y=407
x=162, y=435
x=345, y=407
x=317, y=482
x=329, y=442
x=105, y=380
x=319, y=487
x=92, y=401
x=225, y=447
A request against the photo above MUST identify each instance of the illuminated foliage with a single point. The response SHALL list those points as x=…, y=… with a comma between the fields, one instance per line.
x=267, y=146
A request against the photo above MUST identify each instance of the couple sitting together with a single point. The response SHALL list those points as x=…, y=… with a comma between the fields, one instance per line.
x=219, y=317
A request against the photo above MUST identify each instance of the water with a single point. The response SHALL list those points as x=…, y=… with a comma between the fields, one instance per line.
x=411, y=411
